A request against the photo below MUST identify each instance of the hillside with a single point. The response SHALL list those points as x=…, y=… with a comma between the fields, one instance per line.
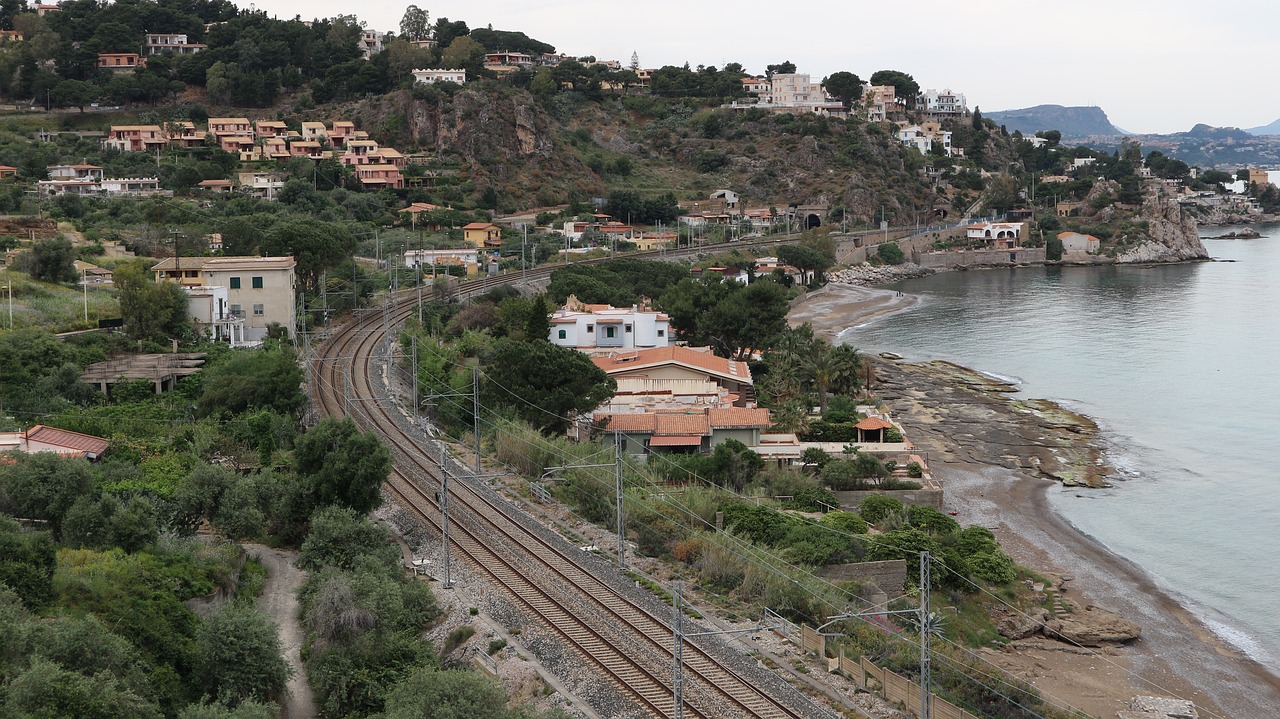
x=1072, y=122
x=539, y=152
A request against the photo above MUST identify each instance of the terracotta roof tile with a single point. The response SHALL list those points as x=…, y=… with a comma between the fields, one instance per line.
x=675, y=354
x=874, y=423
x=682, y=424
x=739, y=417
x=86, y=443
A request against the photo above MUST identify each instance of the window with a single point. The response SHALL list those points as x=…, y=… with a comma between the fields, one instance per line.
x=591, y=329
x=258, y=311
x=662, y=333
x=628, y=329
x=235, y=283
x=237, y=311
x=608, y=331
x=563, y=335
x=257, y=283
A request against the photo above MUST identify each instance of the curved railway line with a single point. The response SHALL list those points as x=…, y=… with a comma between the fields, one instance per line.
x=548, y=581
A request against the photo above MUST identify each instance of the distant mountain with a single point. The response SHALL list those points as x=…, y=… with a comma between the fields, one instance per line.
x=1072, y=122
x=1206, y=146
x=1272, y=129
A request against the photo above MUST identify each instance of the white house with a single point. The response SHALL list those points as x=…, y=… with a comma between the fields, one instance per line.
x=587, y=327
x=943, y=103
x=467, y=257
x=130, y=186
x=371, y=43
x=431, y=77
x=997, y=234
x=729, y=196
x=924, y=137
x=1074, y=243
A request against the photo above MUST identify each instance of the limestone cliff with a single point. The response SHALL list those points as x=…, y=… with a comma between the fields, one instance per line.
x=1172, y=234
x=501, y=139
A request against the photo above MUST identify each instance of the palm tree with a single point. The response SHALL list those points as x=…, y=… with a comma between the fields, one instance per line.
x=832, y=368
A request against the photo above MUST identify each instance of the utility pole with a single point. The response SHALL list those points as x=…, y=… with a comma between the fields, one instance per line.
x=416, y=421
x=443, y=501
x=475, y=411
x=677, y=651
x=926, y=631
x=621, y=500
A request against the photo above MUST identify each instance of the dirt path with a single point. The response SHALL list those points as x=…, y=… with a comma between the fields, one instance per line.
x=280, y=601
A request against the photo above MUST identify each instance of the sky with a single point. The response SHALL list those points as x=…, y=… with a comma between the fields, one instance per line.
x=1154, y=66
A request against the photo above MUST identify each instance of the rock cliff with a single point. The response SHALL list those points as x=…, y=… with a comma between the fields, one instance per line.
x=1172, y=234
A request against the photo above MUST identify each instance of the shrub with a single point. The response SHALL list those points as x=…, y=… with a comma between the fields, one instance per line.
x=813, y=499
x=915, y=470
x=496, y=645
x=456, y=637
x=995, y=567
x=931, y=520
x=891, y=254
x=846, y=522
x=893, y=434
x=875, y=508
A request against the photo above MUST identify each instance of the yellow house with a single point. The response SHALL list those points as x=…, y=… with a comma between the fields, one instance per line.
x=482, y=234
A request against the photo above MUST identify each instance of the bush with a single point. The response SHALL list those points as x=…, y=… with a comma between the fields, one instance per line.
x=813, y=499
x=891, y=254
x=846, y=522
x=456, y=637
x=995, y=567
x=875, y=508
x=931, y=520
x=339, y=537
x=238, y=656
x=915, y=470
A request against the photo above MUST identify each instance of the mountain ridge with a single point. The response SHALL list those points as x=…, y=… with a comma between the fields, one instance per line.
x=1072, y=121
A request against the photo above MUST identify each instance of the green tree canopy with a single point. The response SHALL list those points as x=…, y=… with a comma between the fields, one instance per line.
x=151, y=310
x=542, y=383
x=268, y=378
x=904, y=86
x=42, y=486
x=315, y=245
x=844, y=86
x=238, y=656
x=415, y=24
x=341, y=465
x=52, y=260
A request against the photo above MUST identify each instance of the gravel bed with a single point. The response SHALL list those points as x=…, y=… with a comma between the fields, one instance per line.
x=473, y=588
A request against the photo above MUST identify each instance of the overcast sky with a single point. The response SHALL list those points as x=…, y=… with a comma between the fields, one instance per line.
x=1152, y=65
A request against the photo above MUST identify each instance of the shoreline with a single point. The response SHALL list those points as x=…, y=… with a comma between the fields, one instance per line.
x=995, y=478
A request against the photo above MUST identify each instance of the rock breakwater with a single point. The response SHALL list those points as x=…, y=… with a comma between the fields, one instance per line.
x=866, y=275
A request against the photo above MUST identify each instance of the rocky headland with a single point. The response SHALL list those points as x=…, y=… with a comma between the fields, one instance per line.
x=1173, y=235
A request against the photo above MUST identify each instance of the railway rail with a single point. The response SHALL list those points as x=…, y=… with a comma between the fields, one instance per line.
x=623, y=640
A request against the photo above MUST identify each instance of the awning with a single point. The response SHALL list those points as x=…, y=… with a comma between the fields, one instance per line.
x=676, y=441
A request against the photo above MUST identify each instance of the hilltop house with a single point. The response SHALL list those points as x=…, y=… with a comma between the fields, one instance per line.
x=677, y=362
x=259, y=290
x=135, y=138
x=175, y=42
x=431, y=77
x=942, y=103
x=220, y=126
x=120, y=62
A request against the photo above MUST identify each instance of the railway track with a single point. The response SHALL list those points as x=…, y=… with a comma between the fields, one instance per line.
x=624, y=641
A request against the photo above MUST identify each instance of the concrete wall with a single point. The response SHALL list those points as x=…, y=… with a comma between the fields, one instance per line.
x=919, y=497
x=983, y=258
x=890, y=576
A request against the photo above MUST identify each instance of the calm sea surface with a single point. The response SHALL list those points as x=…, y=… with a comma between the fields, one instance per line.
x=1180, y=365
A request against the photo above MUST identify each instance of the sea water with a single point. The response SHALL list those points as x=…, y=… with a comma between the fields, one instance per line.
x=1180, y=366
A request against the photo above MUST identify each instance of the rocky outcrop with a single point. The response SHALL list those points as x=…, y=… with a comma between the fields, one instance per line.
x=1093, y=627
x=1172, y=234
x=867, y=275
x=1014, y=625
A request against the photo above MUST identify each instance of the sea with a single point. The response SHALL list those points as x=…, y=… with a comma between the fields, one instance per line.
x=1180, y=367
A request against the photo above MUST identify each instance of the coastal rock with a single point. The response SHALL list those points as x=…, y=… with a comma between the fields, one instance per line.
x=866, y=274
x=1093, y=627
x=1162, y=708
x=1172, y=233
x=1247, y=233
x=1015, y=626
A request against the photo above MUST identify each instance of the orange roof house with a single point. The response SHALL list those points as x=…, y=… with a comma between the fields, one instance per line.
x=51, y=439
x=482, y=234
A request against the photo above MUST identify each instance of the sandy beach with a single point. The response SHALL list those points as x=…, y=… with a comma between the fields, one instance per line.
x=995, y=456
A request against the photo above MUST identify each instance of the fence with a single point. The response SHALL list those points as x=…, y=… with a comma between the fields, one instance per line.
x=890, y=686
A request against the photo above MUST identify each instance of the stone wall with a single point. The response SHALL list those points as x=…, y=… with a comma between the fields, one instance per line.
x=982, y=258
x=890, y=576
